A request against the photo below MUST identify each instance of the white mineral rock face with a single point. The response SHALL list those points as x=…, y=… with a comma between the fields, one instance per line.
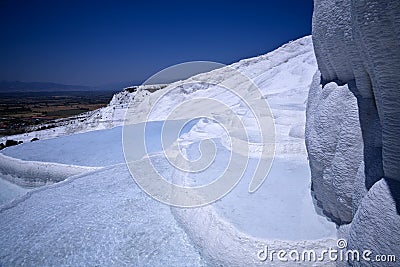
x=357, y=44
x=376, y=225
x=334, y=144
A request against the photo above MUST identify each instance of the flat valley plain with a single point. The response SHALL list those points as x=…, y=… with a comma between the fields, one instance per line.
x=24, y=111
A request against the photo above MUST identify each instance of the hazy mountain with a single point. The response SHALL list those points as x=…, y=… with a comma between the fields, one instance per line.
x=17, y=86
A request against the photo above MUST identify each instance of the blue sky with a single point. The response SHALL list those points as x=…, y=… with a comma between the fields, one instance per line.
x=100, y=42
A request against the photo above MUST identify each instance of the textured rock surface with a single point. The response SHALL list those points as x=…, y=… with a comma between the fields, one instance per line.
x=377, y=24
x=357, y=43
x=376, y=224
x=334, y=143
x=97, y=219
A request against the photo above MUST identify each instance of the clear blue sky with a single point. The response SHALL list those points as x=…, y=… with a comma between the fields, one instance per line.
x=100, y=42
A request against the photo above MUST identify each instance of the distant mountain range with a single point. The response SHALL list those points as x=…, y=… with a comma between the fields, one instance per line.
x=17, y=86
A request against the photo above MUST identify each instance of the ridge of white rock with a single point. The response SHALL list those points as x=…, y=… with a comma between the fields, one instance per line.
x=36, y=173
x=286, y=97
x=218, y=230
